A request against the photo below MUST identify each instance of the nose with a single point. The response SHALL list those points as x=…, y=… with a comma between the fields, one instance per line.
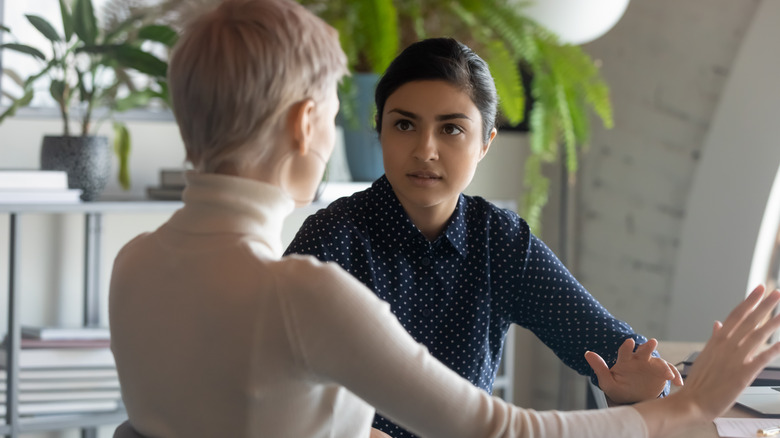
x=426, y=148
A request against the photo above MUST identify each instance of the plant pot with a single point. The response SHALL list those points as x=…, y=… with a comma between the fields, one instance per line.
x=87, y=160
x=361, y=142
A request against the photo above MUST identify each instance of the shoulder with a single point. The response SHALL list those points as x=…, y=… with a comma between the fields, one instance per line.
x=319, y=284
x=497, y=219
x=346, y=211
x=309, y=273
x=134, y=248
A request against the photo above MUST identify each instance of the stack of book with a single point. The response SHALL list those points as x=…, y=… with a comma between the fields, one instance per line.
x=64, y=371
x=35, y=186
x=171, y=185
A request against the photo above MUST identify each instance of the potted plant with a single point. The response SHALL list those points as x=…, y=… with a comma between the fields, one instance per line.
x=89, y=71
x=564, y=82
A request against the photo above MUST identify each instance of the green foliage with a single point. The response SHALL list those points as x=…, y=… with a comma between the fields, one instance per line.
x=84, y=52
x=565, y=82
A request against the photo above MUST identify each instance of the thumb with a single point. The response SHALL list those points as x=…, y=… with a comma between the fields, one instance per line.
x=599, y=367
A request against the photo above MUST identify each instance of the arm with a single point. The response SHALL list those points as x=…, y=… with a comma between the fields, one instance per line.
x=729, y=362
x=347, y=335
x=570, y=321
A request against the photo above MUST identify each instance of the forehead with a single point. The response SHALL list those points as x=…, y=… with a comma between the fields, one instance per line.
x=431, y=98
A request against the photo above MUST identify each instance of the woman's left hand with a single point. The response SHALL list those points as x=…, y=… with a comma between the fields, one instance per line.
x=636, y=375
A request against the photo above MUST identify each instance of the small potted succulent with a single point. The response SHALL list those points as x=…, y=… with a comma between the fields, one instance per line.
x=91, y=72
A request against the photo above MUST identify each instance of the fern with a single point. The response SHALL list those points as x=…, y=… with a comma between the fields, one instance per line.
x=565, y=82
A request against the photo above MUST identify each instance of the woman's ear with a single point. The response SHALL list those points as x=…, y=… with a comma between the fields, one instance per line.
x=486, y=146
x=300, y=125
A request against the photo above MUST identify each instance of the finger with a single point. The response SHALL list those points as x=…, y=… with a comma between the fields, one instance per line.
x=744, y=308
x=766, y=356
x=645, y=351
x=626, y=350
x=677, y=380
x=759, y=336
x=599, y=367
x=659, y=368
x=716, y=327
x=756, y=316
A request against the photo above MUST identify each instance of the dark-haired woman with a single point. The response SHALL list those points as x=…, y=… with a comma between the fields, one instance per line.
x=457, y=270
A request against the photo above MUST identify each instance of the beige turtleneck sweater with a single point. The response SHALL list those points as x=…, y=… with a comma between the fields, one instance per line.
x=215, y=336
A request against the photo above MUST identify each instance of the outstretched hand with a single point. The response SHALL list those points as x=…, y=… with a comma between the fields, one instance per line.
x=733, y=356
x=636, y=375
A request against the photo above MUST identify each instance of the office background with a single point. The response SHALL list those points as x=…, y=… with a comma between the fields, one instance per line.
x=666, y=211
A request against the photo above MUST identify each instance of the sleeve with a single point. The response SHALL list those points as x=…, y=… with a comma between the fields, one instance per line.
x=349, y=336
x=566, y=317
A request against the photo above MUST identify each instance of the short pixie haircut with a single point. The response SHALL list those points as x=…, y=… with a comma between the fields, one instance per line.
x=236, y=71
x=442, y=59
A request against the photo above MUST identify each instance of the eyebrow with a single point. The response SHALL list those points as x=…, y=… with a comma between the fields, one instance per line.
x=439, y=118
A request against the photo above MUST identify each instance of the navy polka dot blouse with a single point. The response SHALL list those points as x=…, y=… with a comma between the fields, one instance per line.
x=458, y=294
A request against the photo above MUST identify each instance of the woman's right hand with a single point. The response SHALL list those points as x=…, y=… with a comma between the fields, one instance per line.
x=729, y=362
x=732, y=358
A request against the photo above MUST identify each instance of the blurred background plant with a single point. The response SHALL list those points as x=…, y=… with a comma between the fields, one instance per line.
x=107, y=67
x=562, y=82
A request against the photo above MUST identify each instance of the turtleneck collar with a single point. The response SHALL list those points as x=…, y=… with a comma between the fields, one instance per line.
x=215, y=203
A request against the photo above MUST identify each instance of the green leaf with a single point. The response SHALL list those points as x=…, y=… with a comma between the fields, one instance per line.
x=134, y=100
x=378, y=23
x=67, y=20
x=23, y=48
x=120, y=28
x=17, y=103
x=84, y=22
x=14, y=76
x=135, y=58
x=44, y=27
x=57, y=90
x=509, y=83
x=537, y=187
x=122, y=150
x=159, y=33
x=5, y=29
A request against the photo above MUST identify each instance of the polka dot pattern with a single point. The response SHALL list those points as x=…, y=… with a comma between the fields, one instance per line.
x=458, y=294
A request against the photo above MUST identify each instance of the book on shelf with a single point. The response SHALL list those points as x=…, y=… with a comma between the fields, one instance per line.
x=61, y=358
x=65, y=343
x=49, y=196
x=172, y=178
x=65, y=333
x=164, y=194
x=29, y=179
x=52, y=396
x=26, y=385
x=172, y=183
x=65, y=407
x=769, y=376
x=62, y=374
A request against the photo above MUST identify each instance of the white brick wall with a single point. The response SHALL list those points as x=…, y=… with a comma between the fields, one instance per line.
x=666, y=63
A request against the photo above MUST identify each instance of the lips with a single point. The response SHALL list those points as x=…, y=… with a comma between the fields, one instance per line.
x=424, y=175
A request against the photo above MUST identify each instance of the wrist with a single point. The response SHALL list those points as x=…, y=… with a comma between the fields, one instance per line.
x=667, y=415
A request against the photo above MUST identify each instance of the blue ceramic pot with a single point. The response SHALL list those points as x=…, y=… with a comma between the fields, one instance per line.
x=361, y=142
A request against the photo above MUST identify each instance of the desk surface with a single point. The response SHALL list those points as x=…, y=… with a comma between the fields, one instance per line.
x=675, y=352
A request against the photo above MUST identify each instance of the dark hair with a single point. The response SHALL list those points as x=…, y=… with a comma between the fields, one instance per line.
x=442, y=59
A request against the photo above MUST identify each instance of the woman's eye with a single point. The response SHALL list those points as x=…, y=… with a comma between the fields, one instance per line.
x=404, y=125
x=452, y=129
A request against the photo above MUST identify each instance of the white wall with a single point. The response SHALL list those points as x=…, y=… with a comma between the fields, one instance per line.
x=728, y=199
x=668, y=64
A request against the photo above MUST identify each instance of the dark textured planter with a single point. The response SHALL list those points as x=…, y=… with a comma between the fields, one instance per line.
x=361, y=142
x=87, y=160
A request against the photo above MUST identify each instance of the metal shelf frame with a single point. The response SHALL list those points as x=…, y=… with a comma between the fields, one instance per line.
x=93, y=215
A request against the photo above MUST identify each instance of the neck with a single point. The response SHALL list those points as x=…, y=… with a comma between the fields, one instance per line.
x=430, y=220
